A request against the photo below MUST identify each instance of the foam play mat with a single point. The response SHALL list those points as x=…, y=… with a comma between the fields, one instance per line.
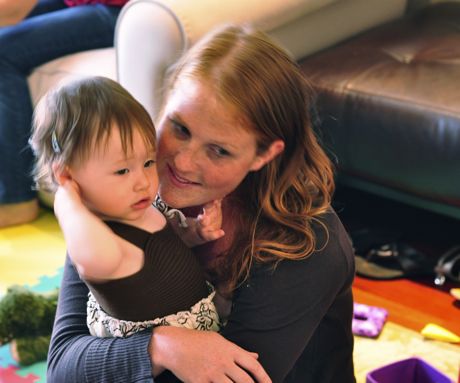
x=31, y=255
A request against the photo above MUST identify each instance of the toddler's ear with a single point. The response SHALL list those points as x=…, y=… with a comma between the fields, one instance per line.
x=61, y=173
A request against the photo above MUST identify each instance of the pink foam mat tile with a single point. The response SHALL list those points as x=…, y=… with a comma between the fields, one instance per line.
x=10, y=375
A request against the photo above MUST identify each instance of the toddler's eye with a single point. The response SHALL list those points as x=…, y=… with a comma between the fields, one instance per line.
x=122, y=172
x=149, y=163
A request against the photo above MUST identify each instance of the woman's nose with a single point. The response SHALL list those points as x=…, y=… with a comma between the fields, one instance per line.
x=186, y=160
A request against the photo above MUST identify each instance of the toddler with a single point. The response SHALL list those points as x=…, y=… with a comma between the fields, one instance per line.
x=96, y=144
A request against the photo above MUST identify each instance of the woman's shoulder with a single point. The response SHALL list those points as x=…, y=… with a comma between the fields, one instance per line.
x=299, y=285
x=333, y=255
x=331, y=235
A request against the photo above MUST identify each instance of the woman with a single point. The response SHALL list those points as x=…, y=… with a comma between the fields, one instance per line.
x=52, y=29
x=236, y=125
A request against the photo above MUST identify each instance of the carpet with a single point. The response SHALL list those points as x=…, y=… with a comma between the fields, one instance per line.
x=33, y=255
x=397, y=343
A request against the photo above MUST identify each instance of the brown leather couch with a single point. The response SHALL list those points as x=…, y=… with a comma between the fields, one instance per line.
x=389, y=107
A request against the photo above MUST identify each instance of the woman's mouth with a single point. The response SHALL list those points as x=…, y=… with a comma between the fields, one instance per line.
x=177, y=180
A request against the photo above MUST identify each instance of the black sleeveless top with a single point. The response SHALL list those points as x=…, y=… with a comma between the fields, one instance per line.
x=170, y=280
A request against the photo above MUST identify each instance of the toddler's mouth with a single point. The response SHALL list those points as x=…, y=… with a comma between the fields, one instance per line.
x=142, y=204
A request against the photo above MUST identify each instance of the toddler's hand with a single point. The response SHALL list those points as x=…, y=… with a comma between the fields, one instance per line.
x=209, y=223
x=68, y=193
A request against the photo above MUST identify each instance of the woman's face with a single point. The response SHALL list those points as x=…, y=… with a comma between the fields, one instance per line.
x=204, y=150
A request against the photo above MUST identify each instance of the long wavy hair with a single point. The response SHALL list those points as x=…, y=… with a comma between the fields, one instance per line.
x=280, y=202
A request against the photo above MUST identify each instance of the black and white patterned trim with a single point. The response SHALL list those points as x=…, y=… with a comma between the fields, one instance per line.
x=201, y=316
x=169, y=212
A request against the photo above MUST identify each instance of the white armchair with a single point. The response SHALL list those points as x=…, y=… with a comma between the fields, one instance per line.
x=151, y=34
x=96, y=62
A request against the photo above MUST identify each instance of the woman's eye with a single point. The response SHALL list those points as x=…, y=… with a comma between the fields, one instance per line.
x=122, y=171
x=180, y=130
x=149, y=163
x=219, y=151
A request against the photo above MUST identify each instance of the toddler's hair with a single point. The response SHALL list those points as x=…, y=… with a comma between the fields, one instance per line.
x=73, y=120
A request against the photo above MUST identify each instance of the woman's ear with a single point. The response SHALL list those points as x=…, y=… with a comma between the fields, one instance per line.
x=275, y=148
x=61, y=173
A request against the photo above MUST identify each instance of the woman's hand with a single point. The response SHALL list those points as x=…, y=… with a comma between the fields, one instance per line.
x=203, y=357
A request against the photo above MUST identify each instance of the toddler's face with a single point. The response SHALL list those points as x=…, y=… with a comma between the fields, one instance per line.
x=118, y=185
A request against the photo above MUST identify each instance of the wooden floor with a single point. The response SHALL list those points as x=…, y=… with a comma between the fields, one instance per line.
x=411, y=303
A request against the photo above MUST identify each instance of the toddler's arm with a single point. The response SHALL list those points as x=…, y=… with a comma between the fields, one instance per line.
x=94, y=249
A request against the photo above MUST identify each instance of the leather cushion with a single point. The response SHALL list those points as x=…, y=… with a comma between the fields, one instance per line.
x=389, y=101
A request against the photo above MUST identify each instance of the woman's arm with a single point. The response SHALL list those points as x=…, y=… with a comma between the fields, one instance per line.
x=301, y=306
x=76, y=356
x=12, y=12
x=302, y=309
x=204, y=356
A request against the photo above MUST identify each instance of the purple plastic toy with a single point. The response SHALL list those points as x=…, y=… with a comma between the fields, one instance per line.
x=412, y=370
x=368, y=320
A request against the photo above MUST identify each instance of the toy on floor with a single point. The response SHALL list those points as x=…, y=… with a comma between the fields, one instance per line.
x=26, y=321
x=455, y=293
x=434, y=331
x=411, y=370
x=368, y=321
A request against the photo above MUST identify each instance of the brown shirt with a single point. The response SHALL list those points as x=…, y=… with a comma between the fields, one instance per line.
x=170, y=280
